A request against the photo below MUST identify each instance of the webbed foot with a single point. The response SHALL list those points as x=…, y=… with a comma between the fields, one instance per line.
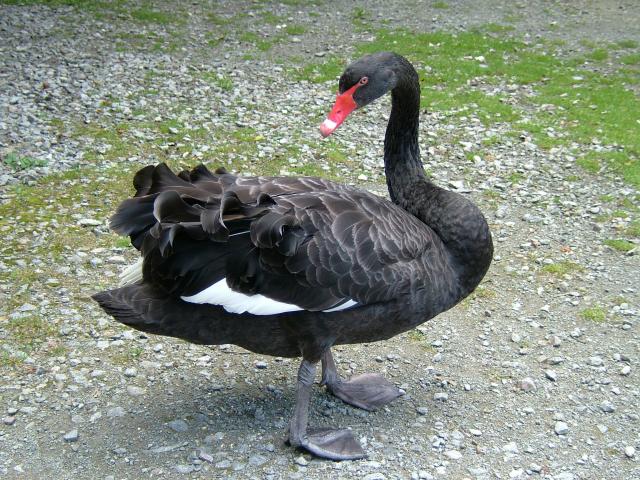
x=331, y=444
x=369, y=391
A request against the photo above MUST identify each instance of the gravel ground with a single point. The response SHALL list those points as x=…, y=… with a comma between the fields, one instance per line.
x=516, y=382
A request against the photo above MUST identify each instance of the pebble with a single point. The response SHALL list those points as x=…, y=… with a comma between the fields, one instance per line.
x=374, y=476
x=527, y=384
x=561, y=428
x=595, y=361
x=178, y=425
x=184, y=469
x=626, y=370
x=475, y=432
x=441, y=396
x=260, y=364
x=301, y=461
x=130, y=372
x=607, y=407
x=71, y=436
x=630, y=451
x=207, y=457
x=422, y=410
x=551, y=375
x=89, y=222
x=115, y=412
x=257, y=460
x=10, y=420
x=134, y=391
x=453, y=454
x=511, y=447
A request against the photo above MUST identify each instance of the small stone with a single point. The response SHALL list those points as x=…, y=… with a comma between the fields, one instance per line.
x=517, y=473
x=626, y=370
x=134, y=391
x=422, y=410
x=534, y=467
x=551, y=375
x=595, y=361
x=511, y=447
x=453, y=454
x=130, y=372
x=10, y=420
x=89, y=222
x=441, y=396
x=260, y=364
x=374, y=476
x=607, y=407
x=157, y=347
x=257, y=460
x=223, y=464
x=629, y=451
x=515, y=338
x=178, y=426
x=207, y=457
x=184, y=468
x=71, y=436
x=475, y=432
x=527, y=384
x=561, y=428
x=301, y=461
x=115, y=412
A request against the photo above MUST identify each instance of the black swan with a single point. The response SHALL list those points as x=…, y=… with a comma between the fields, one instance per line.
x=292, y=266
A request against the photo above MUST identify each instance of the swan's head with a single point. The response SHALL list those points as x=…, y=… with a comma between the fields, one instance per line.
x=362, y=82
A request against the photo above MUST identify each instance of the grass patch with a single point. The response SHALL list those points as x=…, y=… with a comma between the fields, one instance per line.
x=330, y=69
x=19, y=162
x=633, y=230
x=149, y=15
x=598, y=55
x=632, y=59
x=627, y=44
x=589, y=163
x=294, y=29
x=594, y=314
x=440, y=5
x=222, y=81
x=620, y=245
x=29, y=331
x=562, y=268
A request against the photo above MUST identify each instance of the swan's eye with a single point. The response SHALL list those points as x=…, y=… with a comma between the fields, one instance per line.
x=364, y=80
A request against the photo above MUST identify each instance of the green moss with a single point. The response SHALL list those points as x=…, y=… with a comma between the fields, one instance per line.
x=633, y=230
x=589, y=163
x=330, y=69
x=620, y=245
x=19, y=162
x=149, y=15
x=440, y=5
x=627, y=44
x=562, y=268
x=295, y=29
x=594, y=314
x=598, y=55
x=632, y=59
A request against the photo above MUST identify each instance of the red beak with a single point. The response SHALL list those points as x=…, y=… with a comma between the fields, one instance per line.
x=345, y=104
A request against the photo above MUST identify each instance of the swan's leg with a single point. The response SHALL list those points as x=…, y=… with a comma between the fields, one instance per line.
x=369, y=391
x=331, y=444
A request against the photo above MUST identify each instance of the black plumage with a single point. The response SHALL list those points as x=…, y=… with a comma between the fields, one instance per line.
x=310, y=243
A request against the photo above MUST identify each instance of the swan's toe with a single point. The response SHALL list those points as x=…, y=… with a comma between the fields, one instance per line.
x=369, y=391
x=332, y=444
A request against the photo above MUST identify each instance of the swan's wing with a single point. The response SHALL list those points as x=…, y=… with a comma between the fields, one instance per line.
x=267, y=246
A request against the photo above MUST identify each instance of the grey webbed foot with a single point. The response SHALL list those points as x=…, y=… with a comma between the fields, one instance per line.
x=331, y=444
x=369, y=391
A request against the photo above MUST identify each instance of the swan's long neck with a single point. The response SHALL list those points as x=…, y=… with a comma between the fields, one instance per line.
x=457, y=222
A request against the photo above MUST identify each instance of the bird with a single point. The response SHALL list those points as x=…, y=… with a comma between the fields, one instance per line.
x=293, y=266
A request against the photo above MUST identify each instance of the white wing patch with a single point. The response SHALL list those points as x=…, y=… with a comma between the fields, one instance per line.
x=348, y=304
x=235, y=302
x=131, y=274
